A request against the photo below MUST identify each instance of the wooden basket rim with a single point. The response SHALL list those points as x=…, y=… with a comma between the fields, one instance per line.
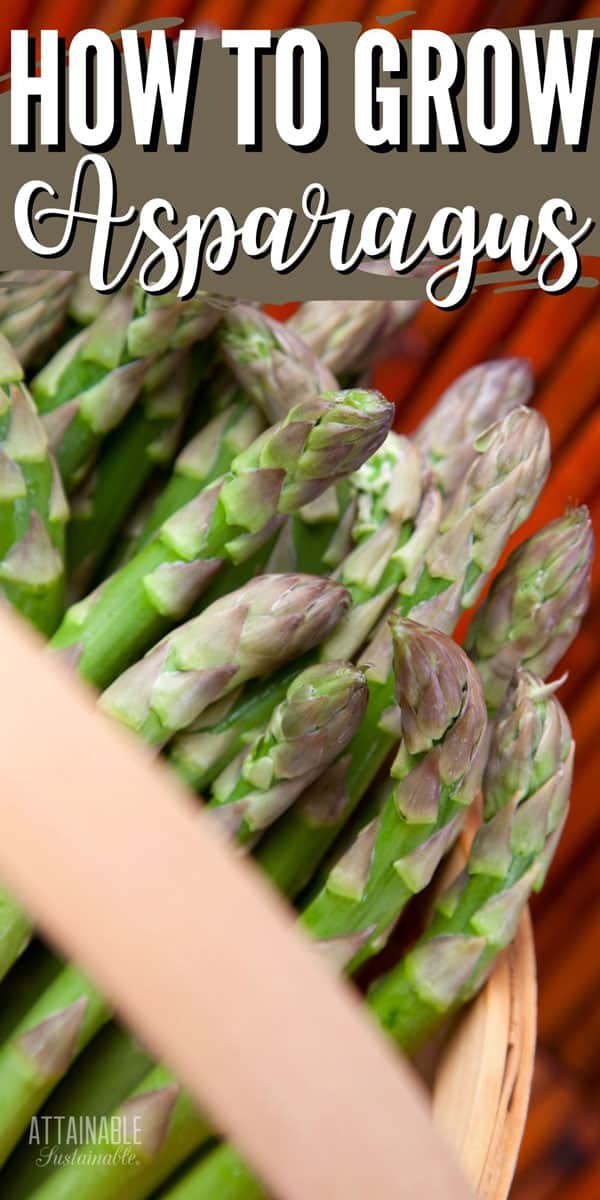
x=483, y=1081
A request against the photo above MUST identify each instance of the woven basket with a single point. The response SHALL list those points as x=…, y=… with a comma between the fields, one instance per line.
x=124, y=873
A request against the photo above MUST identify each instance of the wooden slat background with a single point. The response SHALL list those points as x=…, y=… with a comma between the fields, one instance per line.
x=560, y=1157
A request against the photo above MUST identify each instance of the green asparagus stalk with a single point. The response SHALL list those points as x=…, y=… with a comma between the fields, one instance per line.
x=397, y=517
x=313, y=725
x=385, y=558
x=220, y=1175
x=273, y=366
x=91, y=383
x=148, y=438
x=223, y=424
x=15, y=932
x=42, y=1047
x=273, y=372
x=33, y=311
x=248, y=633
x=126, y=544
x=207, y=456
x=526, y=794
x=349, y=335
x=483, y=394
x=289, y=465
x=222, y=387
x=36, y=969
x=497, y=494
x=436, y=774
x=85, y=303
x=140, y=1124
x=535, y=605
x=107, y=1071
x=33, y=508
x=320, y=534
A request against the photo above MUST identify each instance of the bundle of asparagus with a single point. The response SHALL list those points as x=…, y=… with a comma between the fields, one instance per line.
x=293, y=588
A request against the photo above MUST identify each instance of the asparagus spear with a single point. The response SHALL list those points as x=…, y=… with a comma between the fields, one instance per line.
x=535, y=605
x=220, y=1175
x=158, y=1104
x=348, y=335
x=481, y=395
x=251, y=631
x=85, y=303
x=274, y=366
x=436, y=774
x=272, y=371
x=277, y=372
x=225, y=423
x=33, y=508
x=42, y=1047
x=247, y=633
x=126, y=544
x=313, y=725
x=286, y=467
x=35, y=970
x=320, y=535
x=222, y=387
x=15, y=932
x=497, y=494
x=280, y=373
x=90, y=384
x=147, y=438
x=33, y=310
x=526, y=793
x=104, y=1075
x=207, y=456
